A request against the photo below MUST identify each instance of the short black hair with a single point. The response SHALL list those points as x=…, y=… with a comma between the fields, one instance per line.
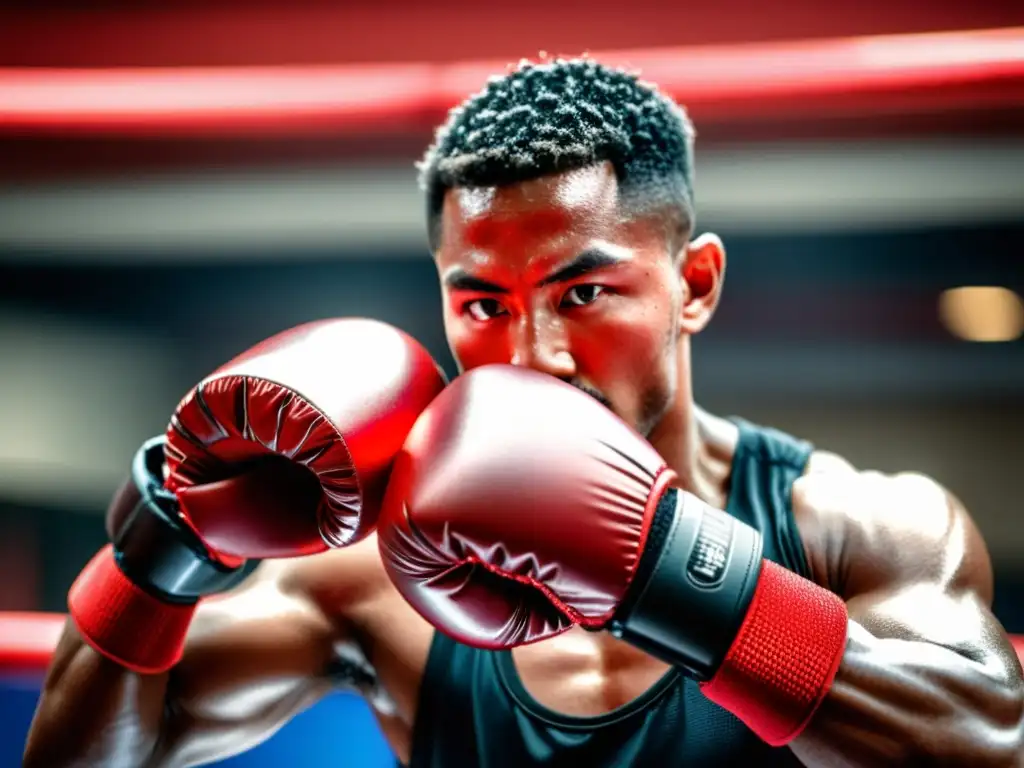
x=560, y=115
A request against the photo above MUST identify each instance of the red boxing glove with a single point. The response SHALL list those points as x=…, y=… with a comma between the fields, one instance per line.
x=282, y=452
x=334, y=400
x=520, y=506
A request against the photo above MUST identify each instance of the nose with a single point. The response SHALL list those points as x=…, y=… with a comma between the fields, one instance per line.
x=539, y=342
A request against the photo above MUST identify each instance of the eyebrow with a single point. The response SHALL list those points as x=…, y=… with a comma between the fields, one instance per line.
x=586, y=262
x=459, y=279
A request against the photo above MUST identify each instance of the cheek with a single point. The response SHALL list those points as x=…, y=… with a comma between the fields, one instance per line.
x=475, y=344
x=632, y=344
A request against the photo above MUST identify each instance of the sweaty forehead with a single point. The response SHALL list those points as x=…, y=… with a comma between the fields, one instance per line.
x=577, y=203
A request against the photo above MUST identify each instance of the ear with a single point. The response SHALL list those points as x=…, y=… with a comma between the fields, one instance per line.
x=702, y=269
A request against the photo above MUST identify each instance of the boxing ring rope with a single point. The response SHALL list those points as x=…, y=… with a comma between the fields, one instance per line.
x=862, y=77
x=27, y=641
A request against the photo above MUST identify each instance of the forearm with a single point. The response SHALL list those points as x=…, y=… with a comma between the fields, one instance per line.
x=897, y=700
x=103, y=701
x=93, y=711
x=253, y=659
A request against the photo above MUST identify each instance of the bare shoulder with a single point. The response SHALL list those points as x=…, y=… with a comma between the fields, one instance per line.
x=864, y=530
x=833, y=490
x=350, y=590
x=308, y=602
x=340, y=583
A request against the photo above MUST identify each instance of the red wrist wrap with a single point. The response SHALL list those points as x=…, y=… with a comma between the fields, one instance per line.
x=124, y=623
x=784, y=658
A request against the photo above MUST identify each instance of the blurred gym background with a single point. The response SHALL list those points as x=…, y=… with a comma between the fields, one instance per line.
x=171, y=192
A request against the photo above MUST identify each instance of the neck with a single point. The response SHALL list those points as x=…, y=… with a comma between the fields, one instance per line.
x=696, y=445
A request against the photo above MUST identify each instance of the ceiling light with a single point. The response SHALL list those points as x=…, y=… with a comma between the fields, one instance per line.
x=982, y=313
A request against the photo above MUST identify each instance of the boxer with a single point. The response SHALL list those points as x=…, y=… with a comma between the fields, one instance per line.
x=572, y=561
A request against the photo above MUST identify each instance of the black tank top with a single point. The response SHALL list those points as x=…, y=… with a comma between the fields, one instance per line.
x=475, y=711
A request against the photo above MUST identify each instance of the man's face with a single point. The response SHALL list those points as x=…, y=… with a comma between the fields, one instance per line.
x=549, y=274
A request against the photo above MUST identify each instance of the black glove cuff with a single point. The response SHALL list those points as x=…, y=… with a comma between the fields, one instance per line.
x=693, y=585
x=156, y=550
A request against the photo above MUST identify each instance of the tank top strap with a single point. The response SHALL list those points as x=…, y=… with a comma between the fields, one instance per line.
x=766, y=464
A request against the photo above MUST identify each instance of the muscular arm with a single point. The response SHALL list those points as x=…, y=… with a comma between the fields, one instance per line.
x=928, y=673
x=254, y=658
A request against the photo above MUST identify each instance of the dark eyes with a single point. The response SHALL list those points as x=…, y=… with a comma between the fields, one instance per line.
x=581, y=295
x=486, y=309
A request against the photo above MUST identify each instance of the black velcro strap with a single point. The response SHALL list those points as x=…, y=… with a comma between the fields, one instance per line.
x=156, y=550
x=661, y=526
x=693, y=585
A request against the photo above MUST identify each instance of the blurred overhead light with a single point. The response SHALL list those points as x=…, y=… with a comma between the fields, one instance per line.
x=982, y=313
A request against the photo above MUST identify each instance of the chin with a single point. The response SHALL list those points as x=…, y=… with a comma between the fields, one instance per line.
x=639, y=425
x=649, y=423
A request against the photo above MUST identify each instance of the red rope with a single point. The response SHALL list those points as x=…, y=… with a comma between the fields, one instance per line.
x=850, y=76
